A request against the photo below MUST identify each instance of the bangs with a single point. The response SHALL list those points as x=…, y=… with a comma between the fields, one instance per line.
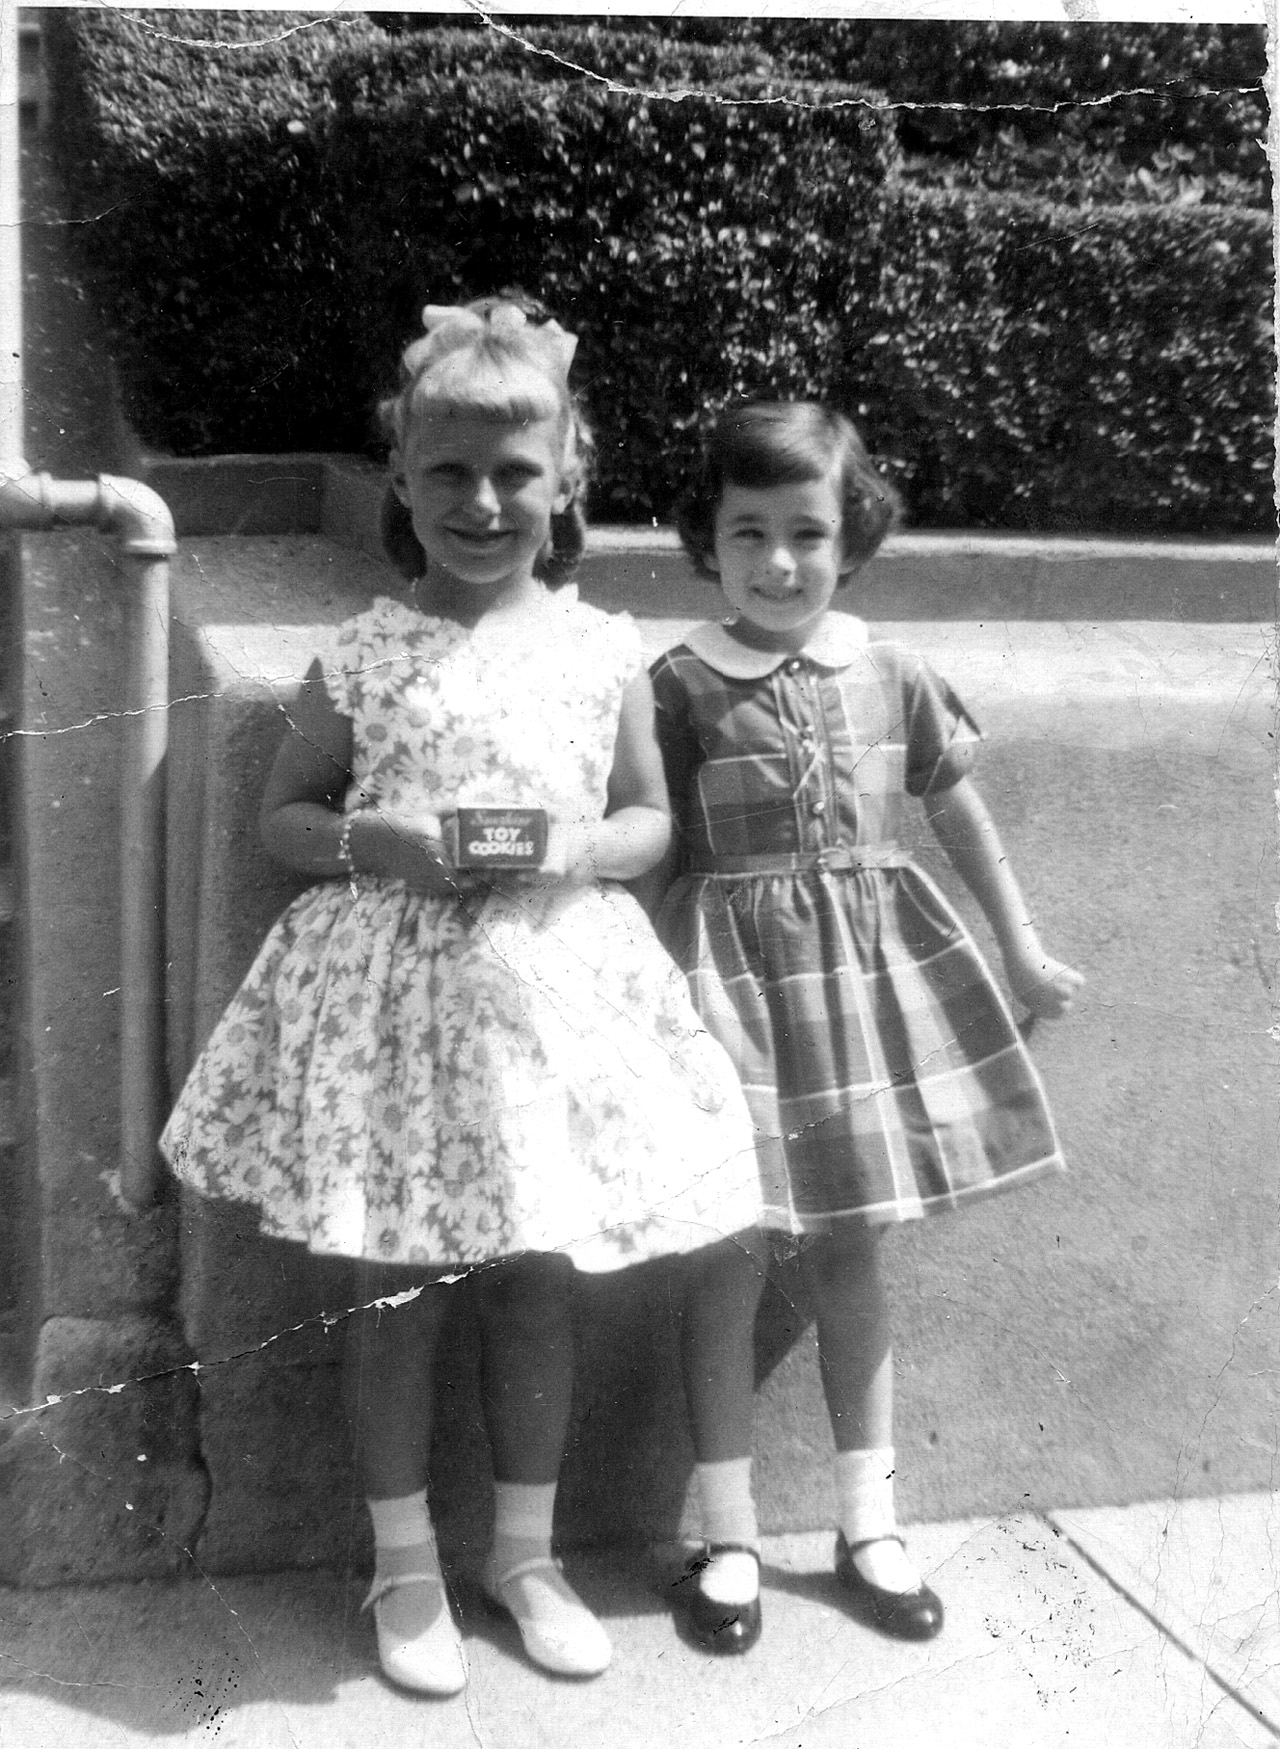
x=755, y=468
x=482, y=384
x=782, y=445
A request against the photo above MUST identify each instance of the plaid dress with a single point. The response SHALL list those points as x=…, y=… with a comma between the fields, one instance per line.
x=881, y=1064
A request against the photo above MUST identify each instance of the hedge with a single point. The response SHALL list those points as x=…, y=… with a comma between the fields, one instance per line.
x=195, y=143
x=1016, y=363
x=654, y=228
x=997, y=101
x=1079, y=113
x=625, y=52
x=1076, y=112
x=1033, y=371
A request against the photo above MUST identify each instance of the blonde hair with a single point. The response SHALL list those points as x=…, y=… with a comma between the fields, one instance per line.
x=501, y=359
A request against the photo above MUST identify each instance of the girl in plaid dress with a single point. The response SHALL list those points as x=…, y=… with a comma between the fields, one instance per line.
x=881, y=1064
x=432, y=1067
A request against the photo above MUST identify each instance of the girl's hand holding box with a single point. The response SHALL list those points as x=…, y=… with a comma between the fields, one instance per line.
x=404, y=847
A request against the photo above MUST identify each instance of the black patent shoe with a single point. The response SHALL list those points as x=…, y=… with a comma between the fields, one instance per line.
x=725, y=1628
x=906, y=1615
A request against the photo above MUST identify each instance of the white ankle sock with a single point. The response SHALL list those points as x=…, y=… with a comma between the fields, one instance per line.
x=403, y=1523
x=523, y=1513
x=864, y=1494
x=728, y=1505
x=418, y=1642
x=558, y=1629
x=864, y=1511
x=729, y=1516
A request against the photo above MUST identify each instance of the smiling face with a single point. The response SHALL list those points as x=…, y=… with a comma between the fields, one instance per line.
x=482, y=493
x=779, y=555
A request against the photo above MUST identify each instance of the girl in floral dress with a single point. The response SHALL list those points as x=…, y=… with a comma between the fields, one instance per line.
x=880, y=1062
x=432, y=1069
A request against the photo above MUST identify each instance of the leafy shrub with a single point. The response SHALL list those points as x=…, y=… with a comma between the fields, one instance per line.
x=628, y=52
x=271, y=213
x=1085, y=112
x=698, y=246
x=1018, y=62
x=1032, y=371
x=195, y=144
x=1080, y=113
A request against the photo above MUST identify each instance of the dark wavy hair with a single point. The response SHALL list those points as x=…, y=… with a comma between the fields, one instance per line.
x=782, y=443
x=559, y=558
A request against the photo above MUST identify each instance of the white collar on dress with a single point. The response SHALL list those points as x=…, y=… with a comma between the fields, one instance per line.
x=839, y=640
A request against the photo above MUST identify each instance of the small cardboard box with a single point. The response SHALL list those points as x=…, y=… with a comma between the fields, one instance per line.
x=500, y=838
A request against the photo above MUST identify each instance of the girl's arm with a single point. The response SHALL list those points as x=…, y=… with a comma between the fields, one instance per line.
x=967, y=833
x=675, y=746
x=651, y=887
x=301, y=818
x=637, y=827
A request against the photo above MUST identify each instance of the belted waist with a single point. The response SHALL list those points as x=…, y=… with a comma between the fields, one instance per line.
x=838, y=858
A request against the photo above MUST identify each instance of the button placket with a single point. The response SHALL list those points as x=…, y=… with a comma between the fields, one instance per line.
x=840, y=764
x=790, y=703
x=817, y=761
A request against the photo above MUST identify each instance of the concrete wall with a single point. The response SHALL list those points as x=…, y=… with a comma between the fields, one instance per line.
x=1106, y=1338
x=103, y=1481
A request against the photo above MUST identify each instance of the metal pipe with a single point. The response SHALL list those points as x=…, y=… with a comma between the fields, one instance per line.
x=11, y=422
x=136, y=515
x=141, y=523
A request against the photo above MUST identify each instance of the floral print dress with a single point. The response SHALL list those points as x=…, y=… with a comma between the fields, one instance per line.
x=439, y=1081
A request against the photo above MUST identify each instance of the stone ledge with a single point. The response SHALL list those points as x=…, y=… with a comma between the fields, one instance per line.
x=961, y=575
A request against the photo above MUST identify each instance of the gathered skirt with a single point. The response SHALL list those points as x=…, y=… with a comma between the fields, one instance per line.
x=880, y=1061
x=421, y=1081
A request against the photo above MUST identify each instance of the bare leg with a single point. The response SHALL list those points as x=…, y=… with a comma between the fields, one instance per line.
x=717, y=1346
x=842, y=1273
x=527, y=1385
x=527, y=1370
x=387, y=1382
x=717, y=1352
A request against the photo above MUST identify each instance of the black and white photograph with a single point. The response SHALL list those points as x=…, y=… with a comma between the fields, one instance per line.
x=639, y=1089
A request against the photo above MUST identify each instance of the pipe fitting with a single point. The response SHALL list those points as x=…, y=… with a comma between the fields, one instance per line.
x=26, y=500
x=139, y=520
x=138, y=517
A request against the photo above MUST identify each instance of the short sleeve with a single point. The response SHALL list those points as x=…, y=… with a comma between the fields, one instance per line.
x=349, y=658
x=942, y=737
x=629, y=651
x=673, y=728
x=604, y=647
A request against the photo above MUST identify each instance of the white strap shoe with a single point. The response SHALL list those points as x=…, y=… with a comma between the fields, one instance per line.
x=419, y=1646
x=558, y=1630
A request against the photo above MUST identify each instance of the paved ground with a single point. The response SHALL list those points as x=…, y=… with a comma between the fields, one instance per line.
x=1151, y=1628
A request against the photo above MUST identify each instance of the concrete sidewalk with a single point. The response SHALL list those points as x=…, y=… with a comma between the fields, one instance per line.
x=1150, y=1627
